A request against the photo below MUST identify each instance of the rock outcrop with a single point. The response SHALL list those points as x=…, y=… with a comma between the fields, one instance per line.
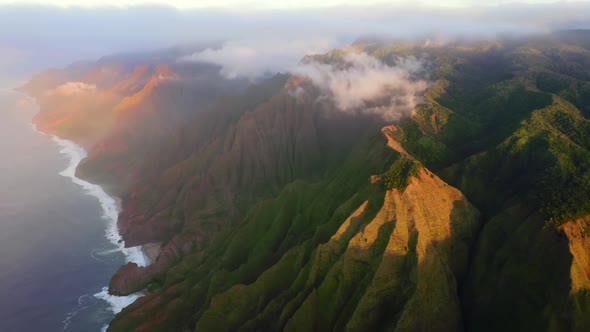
x=578, y=235
x=399, y=271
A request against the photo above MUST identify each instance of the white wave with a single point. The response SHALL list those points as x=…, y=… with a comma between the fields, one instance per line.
x=82, y=304
x=97, y=254
x=35, y=129
x=117, y=303
x=75, y=153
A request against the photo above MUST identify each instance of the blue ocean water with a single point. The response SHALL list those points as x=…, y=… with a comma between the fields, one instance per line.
x=58, y=240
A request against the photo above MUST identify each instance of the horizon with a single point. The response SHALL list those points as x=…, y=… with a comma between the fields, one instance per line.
x=101, y=29
x=273, y=5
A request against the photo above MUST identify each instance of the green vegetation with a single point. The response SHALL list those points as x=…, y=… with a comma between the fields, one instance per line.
x=518, y=147
x=564, y=189
x=154, y=286
x=288, y=230
x=399, y=174
x=505, y=122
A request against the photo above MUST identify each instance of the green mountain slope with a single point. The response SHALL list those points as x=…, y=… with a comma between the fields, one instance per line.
x=516, y=145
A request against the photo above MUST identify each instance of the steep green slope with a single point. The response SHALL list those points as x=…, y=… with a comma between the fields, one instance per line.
x=505, y=123
x=303, y=213
x=517, y=146
x=310, y=237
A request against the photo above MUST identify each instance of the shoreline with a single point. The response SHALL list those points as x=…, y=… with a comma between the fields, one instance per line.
x=111, y=207
x=151, y=250
x=75, y=153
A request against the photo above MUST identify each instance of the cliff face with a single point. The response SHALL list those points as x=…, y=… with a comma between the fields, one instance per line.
x=199, y=196
x=400, y=271
x=330, y=255
x=266, y=147
x=76, y=111
x=579, y=246
x=508, y=127
x=119, y=109
x=169, y=97
x=415, y=247
x=578, y=236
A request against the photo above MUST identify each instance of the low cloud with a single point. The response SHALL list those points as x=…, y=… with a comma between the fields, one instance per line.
x=72, y=88
x=361, y=83
x=253, y=58
x=273, y=35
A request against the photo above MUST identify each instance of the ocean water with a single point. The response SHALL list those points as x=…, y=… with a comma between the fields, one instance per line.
x=59, y=243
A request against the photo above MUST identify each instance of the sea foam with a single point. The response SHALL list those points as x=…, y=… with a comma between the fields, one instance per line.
x=75, y=154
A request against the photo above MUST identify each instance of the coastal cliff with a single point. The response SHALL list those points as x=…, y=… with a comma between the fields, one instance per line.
x=274, y=209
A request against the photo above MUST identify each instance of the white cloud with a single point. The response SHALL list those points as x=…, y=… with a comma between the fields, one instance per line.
x=72, y=88
x=66, y=30
x=253, y=58
x=364, y=84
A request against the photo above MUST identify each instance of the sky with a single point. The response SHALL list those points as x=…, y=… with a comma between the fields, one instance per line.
x=35, y=35
x=262, y=4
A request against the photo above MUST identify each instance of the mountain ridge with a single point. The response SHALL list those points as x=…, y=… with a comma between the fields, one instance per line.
x=279, y=212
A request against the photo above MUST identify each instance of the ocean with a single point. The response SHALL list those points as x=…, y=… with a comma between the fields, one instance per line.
x=59, y=243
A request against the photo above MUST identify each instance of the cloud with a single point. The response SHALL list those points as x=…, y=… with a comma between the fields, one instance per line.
x=361, y=83
x=72, y=88
x=85, y=33
x=264, y=42
x=259, y=57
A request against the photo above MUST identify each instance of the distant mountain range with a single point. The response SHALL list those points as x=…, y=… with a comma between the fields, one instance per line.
x=275, y=207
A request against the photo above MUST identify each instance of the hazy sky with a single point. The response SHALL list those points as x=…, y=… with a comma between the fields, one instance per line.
x=266, y=4
x=38, y=34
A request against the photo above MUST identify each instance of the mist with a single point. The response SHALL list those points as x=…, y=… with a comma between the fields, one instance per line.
x=364, y=84
x=253, y=42
x=72, y=88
